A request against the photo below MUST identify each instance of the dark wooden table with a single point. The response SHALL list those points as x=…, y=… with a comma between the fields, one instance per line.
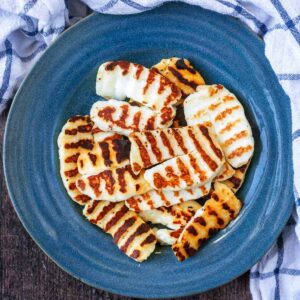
x=27, y=272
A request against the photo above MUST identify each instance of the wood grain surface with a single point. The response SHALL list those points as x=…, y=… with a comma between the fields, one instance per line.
x=27, y=273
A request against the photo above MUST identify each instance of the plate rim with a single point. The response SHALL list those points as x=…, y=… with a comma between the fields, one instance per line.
x=114, y=290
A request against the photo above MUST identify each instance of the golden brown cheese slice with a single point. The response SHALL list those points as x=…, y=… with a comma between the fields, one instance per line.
x=130, y=233
x=124, y=118
x=110, y=153
x=216, y=214
x=151, y=147
x=74, y=139
x=226, y=172
x=237, y=179
x=120, y=80
x=157, y=198
x=173, y=217
x=215, y=105
x=113, y=184
x=181, y=73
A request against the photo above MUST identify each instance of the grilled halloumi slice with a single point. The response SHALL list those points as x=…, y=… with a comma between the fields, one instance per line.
x=130, y=233
x=74, y=139
x=193, y=169
x=226, y=172
x=216, y=214
x=151, y=147
x=113, y=184
x=181, y=73
x=120, y=80
x=215, y=105
x=157, y=198
x=173, y=217
x=123, y=118
x=110, y=153
x=237, y=179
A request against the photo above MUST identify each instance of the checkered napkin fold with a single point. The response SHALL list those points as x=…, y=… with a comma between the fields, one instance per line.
x=29, y=26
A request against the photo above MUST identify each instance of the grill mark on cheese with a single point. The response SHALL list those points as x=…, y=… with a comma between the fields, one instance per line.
x=166, y=115
x=201, y=173
x=121, y=148
x=91, y=209
x=77, y=118
x=105, y=153
x=143, y=228
x=124, y=65
x=105, y=210
x=82, y=198
x=229, y=126
x=84, y=143
x=166, y=143
x=210, y=162
x=149, y=81
x=135, y=254
x=180, y=141
x=235, y=181
x=143, y=152
x=84, y=128
x=118, y=215
x=71, y=131
x=237, y=136
x=136, y=120
x=183, y=80
x=217, y=151
x=181, y=65
x=151, y=139
x=184, y=172
x=93, y=158
x=163, y=198
x=224, y=113
x=139, y=71
x=148, y=240
x=239, y=151
x=73, y=158
x=72, y=186
x=71, y=173
x=121, y=179
x=123, y=228
x=150, y=123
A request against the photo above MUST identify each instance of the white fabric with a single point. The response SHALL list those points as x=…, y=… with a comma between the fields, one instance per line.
x=29, y=26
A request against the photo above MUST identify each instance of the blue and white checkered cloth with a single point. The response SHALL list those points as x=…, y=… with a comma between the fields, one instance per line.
x=29, y=26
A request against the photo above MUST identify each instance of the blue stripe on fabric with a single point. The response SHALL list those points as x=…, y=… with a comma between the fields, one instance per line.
x=25, y=58
x=283, y=271
x=29, y=5
x=45, y=33
x=295, y=20
x=288, y=76
x=107, y=6
x=287, y=19
x=296, y=134
x=7, y=70
x=135, y=5
x=280, y=249
x=240, y=10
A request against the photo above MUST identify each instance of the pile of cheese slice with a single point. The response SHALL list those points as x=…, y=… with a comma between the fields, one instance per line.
x=139, y=167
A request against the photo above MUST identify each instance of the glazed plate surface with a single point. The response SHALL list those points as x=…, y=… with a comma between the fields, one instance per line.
x=62, y=84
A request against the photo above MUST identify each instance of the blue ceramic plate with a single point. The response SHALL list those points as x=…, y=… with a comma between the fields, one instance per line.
x=62, y=84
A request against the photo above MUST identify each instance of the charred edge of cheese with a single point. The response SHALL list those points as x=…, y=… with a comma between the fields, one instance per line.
x=237, y=179
x=113, y=185
x=226, y=172
x=151, y=147
x=157, y=198
x=130, y=233
x=181, y=73
x=216, y=214
x=74, y=139
x=173, y=217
